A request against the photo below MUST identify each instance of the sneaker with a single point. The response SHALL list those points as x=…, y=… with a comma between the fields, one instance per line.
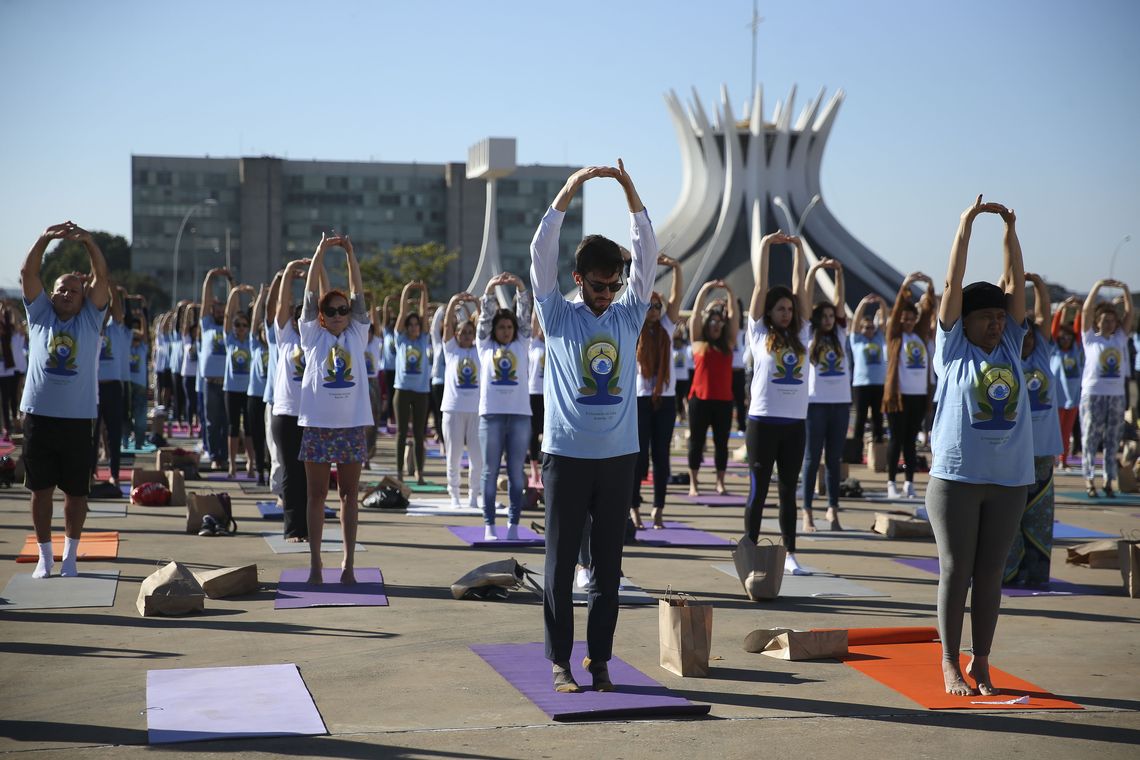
x=584, y=578
x=210, y=526
x=910, y=494
x=892, y=490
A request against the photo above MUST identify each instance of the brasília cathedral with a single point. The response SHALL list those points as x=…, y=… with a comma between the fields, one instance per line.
x=742, y=179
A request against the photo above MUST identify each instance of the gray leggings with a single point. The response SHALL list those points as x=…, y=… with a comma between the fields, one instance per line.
x=974, y=525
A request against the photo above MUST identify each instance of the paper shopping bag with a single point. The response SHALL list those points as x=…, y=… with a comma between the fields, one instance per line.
x=807, y=645
x=876, y=455
x=198, y=505
x=170, y=590
x=759, y=567
x=685, y=635
x=1102, y=554
x=228, y=581
x=1130, y=567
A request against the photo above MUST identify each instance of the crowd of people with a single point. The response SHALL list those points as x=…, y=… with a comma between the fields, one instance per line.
x=590, y=389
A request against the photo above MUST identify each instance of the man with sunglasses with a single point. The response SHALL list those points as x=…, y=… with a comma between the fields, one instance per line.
x=590, y=439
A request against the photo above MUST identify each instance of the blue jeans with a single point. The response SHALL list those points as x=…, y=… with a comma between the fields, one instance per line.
x=826, y=432
x=499, y=433
x=138, y=413
x=216, y=425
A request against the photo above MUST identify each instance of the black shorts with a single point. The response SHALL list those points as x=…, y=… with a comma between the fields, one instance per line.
x=165, y=380
x=57, y=452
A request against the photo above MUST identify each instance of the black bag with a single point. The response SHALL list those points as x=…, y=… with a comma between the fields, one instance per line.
x=105, y=490
x=853, y=451
x=851, y=488
x=679, y=479
x=384, y=497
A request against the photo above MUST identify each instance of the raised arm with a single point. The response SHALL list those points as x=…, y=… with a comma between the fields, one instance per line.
x=233, y=305
x=118, y=304
x=208, y=288
x=732, y=315
x=524, y=307
x=144, y=324
x=1126, y=323
x=98, y=286
x=799, y=265
x=950, y=310
x=697, y=319
x=294, y=270
x=269, y=312
x=316, y=283
x=33, y=262
x=257, y=315
x=405, y=297
x=840, y=299
x=1013, y=266
x=676, y=287
x=449, y=315
x=861, y=311
x=1042, y=310
x=387, y=312
x=902, y=298
x=487, y=307
x=809, y=281
x=760, y=292
x=355, y=282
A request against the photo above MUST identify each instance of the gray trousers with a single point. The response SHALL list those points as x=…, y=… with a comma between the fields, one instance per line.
x=974, y=525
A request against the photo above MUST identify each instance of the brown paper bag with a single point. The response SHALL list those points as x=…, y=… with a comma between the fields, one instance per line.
x=685, y=635
x=1126, y=478
x=896, y=524
x=876, y=456
x=171, y=457
x=170, y=590
x=1130, y=567
x=807, y=645
x=1103, y=554
x=759, y=567
x=228, y=581
x=198, y=505
x=502, y=575
x=172, y=479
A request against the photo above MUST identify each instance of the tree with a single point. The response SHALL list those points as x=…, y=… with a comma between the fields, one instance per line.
x=386, y=272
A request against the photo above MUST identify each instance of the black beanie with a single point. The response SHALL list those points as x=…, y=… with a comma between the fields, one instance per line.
x=982, y=295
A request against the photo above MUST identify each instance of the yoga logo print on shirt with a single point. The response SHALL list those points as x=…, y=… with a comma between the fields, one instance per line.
x=264, y=361
x=1069, y=365
x=1037, y=383
x=505, y=363
x=338, y=368
x=369, y=364
x=135, y=358
x=995, y=390
x=413, y=361
x=1109, y=362
x=872, y=353
x=105, y=352
x=600, y=366
x=239, y=361
x=297, y=360
x=788, y=367
x=218, y=344
x=61, y=355
x=915, y=354
x=829, y=362
x=466, y=373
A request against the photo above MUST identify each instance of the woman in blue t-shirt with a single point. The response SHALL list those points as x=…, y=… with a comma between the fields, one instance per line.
x=982, y=447
x=1067, y=364
x=413, y=379
x=235, y=380
x=868, y=366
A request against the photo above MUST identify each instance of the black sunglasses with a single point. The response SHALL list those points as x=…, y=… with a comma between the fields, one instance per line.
x=336, y=311
x=598, y=287
x=655, y=306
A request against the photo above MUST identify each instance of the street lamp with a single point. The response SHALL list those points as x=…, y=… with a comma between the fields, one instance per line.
x=1116, y=250
x=178, y=241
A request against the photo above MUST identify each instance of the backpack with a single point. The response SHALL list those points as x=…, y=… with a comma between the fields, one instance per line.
x=384, y=497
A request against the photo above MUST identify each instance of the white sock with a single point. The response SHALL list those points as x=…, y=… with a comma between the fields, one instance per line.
x=43, y=567
x=513, y=532
x=792, y=565
x=489, y=533
x=70, y=554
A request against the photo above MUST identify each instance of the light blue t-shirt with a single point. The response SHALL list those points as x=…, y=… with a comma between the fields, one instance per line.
x=258, y=367
x=176, y=352
x=982, y=428
x=62, y=376
x=1042, y=397
x=211, y=349
x=412, y=370
x=271, y=362
x=237, y=367
x=388, y=351
x=113, y=344
x=591, y=376
x=137, y=355
x=868, y=359
x=1067, y=368
x=1136, y=350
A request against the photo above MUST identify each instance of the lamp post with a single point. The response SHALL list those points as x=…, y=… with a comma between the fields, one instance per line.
x=178, y=241
x=1112, y=262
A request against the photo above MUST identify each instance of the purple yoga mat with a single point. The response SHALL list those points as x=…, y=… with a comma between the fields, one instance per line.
x=679, y=534
x=472, y=535
x=243, y=476
x=526, y=668
x=197, y=704
x=293, y=591
x=1055, y=588
x=717, y=500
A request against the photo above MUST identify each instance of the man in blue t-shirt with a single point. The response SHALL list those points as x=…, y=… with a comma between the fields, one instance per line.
x=59, y=399
x=590, y=441
x=212, y=368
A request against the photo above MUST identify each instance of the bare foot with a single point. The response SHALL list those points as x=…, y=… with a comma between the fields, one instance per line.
x=833, y=519
x=979, y=670
x=809, y=523
x=657, y=519
x=955, y=684
x=315, y=578
x=347, y=576
x=231, y=474
x=421, y=482
x=635, y=515
x=693, y=490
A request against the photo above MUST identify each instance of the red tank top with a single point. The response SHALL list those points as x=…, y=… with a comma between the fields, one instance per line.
x=712, y=375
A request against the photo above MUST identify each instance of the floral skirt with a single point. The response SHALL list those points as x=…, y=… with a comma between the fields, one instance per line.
x=333, y=445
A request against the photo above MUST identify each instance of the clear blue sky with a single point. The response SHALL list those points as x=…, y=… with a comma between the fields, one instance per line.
x=1035, y=103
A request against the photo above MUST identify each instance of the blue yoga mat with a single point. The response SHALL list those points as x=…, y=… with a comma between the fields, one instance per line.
x=270, y=511
x=1119, y=500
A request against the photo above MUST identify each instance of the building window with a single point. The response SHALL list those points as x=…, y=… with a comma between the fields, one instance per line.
x=162, y=178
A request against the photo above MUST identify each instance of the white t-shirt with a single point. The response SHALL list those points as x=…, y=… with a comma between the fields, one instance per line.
x=334, y=390
x=829, y=379
x=501, y=391
x=914, y=364
x=738, y=351
x=536, y=371
x=460, y=378
x=681, y=363
x=372, y=358
x=645, y=384
x=290, y=371
x=1106, y=362
x=779, y=385
x=190, y=358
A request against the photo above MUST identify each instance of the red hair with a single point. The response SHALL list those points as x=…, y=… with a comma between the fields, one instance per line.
x=321, y=304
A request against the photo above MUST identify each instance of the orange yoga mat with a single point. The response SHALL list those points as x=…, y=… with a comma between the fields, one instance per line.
x=104, y=473
x=912, y=666
x=98, y=544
